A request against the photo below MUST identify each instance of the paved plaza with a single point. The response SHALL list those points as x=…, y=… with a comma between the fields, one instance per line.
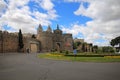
x=21, y=66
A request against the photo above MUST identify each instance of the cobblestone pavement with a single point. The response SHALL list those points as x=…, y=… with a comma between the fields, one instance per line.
x=19, y=66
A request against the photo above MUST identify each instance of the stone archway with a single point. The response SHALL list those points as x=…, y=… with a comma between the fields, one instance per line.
x=33, y=48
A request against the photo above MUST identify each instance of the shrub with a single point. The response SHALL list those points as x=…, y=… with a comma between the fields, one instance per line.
x=53, y=50
x=67, y=52
x=60, y=51
x=107, y=49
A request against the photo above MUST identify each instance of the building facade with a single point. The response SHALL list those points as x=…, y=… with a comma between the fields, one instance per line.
x=54, y=40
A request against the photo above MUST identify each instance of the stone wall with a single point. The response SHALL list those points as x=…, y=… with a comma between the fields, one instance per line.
x=9, y=42
x=0, y=41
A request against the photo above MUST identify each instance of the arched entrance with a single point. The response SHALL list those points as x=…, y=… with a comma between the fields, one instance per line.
x=33, y=47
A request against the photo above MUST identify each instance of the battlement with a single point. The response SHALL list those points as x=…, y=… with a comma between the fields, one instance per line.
x=7, y=34
x=14, y=35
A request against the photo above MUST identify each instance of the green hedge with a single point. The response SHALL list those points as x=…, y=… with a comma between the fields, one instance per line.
x=102, y=55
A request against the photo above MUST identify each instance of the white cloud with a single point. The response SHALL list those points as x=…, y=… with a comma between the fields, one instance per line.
x=76, y=0
x=104, y=10
x=81, y=10
x=105, y=23
x=18, y=15
x=49, y=7
x=47, y=4
x=3, y=6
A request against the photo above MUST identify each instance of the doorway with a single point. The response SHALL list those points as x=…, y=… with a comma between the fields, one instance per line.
x=33, y=48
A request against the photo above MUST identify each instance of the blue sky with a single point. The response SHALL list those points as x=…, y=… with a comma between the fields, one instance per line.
x=87, y=19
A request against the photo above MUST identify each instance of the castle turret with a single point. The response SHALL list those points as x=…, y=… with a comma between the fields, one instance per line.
x=49, y=29
x=58, y=27
x=58, y=31
x=39, y=29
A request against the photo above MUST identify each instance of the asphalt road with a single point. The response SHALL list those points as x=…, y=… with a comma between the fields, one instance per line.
x=29, y=67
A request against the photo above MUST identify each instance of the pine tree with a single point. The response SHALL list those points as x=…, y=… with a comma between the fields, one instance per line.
x=20, y=40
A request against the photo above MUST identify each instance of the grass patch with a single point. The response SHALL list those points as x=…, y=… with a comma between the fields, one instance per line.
x=80, y=58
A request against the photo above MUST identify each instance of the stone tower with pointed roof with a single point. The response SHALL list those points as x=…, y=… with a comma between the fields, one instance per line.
x=54, y=40
x=39, y=29
x=49, y=29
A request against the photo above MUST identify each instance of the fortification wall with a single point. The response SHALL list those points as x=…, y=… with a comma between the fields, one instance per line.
x=0, y=41
x=9, y=42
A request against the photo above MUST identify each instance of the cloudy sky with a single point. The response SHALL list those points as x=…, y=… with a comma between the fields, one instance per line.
x=96, y=21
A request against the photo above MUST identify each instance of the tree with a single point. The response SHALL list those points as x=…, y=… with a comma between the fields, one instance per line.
x=112, y=42
x=20, y=40
x=76, y=44
x=95, y=48
x=115, y=41
x=33, y=36
x=107, y=49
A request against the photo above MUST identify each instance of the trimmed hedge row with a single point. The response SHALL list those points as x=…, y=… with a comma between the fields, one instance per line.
x=93, y=55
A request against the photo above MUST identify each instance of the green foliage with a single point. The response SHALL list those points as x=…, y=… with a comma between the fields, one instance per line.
x=115, y=41
x=53, y=50
x=99, y=50
x=76, y=44
x=107, y=49
x=33, y=36
x=66, y=52
x=90, y=58
x=61, y=51
x=95, y=48
x=20, y=40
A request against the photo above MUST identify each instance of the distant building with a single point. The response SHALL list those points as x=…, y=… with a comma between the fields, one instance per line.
x=83, y=46
x=79, y=40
